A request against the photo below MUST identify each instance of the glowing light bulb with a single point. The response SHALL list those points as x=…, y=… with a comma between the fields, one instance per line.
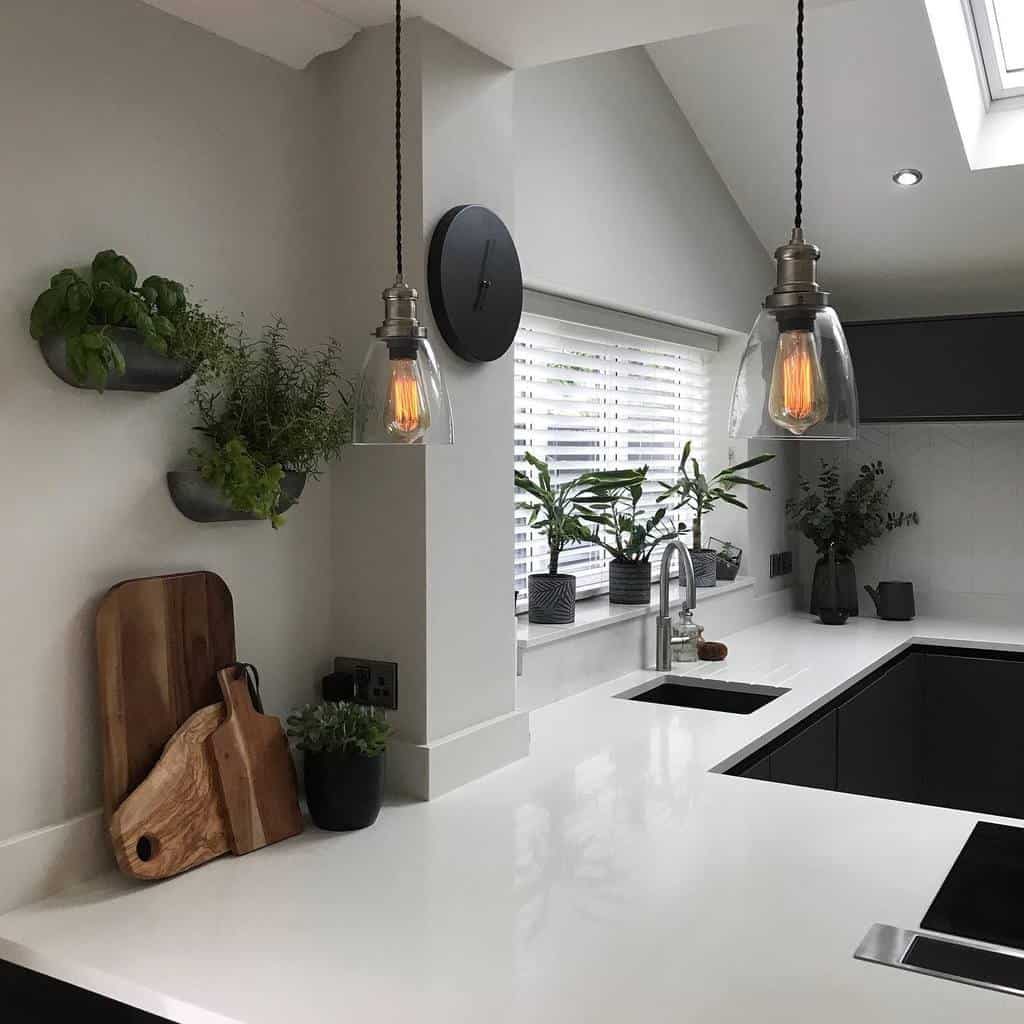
x=406, y=415
x=798, y=398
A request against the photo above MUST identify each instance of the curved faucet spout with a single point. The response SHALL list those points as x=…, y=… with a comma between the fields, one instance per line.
x=687, y=587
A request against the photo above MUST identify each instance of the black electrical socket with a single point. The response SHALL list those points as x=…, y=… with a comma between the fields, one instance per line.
x=780, y=564
x=362, y=681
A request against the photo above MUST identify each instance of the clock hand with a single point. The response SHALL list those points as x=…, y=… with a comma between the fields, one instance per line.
x=485, y=283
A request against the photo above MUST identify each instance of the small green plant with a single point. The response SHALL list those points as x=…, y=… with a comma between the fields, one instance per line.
x=269, y=408
x=334, y=726
x=555, y=509
x=629, y=533
x=729, y=552
x=84, y=310
x=852, y=519
x=695, y=492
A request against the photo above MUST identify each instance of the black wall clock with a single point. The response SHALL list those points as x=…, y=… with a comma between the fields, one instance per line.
x=475, y=283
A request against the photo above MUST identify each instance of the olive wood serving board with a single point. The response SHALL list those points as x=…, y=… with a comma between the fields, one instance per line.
x=160, y=642
x=174, y=820
x=255, y=771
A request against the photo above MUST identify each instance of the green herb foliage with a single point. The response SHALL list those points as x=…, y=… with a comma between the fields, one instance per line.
x=629, y=534
x=270, y=408
x=555, y=509
x=331, y=727
x=852, y=519
x=695, y=492
x=84, y=309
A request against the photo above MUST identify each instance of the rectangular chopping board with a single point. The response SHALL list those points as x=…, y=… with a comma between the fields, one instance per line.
x=160, y=642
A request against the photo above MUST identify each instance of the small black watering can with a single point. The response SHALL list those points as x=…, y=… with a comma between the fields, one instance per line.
x=894, y=600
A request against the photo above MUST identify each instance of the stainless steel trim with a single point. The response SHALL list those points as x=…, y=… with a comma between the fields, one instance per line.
x=885, y=944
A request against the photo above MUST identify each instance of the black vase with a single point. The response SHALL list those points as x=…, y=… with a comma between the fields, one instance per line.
x=629, y=583
x=553, y=598
x=344, y=789
x=840, y=596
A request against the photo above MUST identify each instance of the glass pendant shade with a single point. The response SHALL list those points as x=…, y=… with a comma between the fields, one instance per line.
x=401, y=397
x=795, y=379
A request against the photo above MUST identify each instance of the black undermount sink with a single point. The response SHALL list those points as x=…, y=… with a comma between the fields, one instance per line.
x=705, y=694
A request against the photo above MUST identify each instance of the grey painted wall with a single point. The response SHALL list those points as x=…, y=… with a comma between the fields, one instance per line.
x=617, y=201
x=126, y=128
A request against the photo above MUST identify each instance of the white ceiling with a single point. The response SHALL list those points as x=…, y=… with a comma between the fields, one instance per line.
x=876, y=102
x=520, y=33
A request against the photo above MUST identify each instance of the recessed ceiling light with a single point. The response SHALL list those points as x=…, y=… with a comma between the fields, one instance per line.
x=908, y=176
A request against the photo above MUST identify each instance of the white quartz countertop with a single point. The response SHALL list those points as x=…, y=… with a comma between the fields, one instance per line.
x=611, y=876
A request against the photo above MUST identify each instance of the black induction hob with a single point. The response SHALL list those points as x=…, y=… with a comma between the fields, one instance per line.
x=983, y=894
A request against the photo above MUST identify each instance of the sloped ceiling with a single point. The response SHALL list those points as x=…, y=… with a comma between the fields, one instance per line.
x=876, y=102
x=519, y=33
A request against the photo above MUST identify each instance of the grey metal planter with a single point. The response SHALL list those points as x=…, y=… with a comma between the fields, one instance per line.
x=629, y=583
x=552, y=598
x=705, y=566
x=199, y=500
x=145, y=370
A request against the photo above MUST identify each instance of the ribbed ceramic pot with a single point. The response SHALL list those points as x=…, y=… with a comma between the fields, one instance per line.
x=552, y=598
x=344, y=789
x=629, y=583
x=705, y=566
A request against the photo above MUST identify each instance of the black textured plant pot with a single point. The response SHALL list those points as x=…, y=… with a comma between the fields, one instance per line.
x=552, y=598
x=846, y=587
x=705, y=566
x=199, y=500
x=629, y=583
x=344, y=789
x=144, y=369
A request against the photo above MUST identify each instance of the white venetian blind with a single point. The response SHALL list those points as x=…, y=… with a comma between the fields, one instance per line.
x=594, y=399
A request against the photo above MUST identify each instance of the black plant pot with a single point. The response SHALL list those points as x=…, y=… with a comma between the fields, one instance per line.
x=199, y=500
x=629, y=583
x=552, y=598
x=705, y=566
x=845, y=599
x=344, y=789
x=144, y=369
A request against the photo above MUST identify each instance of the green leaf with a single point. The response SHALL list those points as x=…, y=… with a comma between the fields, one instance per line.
x=108, y=267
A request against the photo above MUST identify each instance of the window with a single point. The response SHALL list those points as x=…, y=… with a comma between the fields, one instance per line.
x=1000, y=27
x=589, y=398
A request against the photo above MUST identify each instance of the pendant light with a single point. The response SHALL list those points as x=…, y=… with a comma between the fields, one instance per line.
x=795, y=379
x=401, y=396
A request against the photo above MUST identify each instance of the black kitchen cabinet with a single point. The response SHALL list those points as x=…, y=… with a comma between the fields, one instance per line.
x=937, y=725
x=972, y=754
x=939, y=368
x=760, y=770
x=809, y=758
x=878, y=735
x=31, y=998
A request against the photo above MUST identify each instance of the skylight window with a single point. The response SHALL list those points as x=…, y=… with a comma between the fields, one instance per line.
x=1000, y=26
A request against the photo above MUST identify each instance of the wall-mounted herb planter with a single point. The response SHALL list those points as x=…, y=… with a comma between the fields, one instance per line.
x=202, y=502
x=145, y=370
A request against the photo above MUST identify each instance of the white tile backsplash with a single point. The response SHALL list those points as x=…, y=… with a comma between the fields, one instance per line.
x=966, y=481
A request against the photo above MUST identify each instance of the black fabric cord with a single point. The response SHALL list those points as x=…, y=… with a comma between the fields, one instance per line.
x=799, y=219
x=398, y=137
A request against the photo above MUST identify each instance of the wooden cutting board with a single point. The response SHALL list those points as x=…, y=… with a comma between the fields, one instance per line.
x=255, y=770
x=174, y=820
x=160, y=642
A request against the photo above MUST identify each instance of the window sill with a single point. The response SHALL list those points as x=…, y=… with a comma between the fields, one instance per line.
x=597, y=613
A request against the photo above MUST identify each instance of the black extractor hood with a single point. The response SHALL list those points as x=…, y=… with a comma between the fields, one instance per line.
x=939, y=368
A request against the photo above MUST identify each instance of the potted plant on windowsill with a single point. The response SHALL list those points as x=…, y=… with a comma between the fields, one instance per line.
x=271, y=415
x=554, y=511
x=838, y=523
x=105, y=330
x=343, y=747
x=695, y=492
x=630, y=534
